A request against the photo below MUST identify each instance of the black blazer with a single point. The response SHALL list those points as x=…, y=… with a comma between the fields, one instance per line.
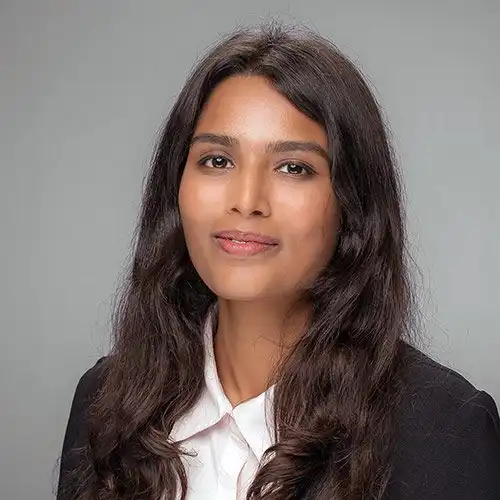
x=448, y=436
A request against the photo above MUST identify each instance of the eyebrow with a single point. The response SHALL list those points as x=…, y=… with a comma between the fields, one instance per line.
x=271, y=147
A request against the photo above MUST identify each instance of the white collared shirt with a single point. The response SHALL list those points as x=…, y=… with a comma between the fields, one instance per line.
x=229, y=442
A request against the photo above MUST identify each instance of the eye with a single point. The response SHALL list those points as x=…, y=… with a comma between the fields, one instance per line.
x=297, y=169
x=220, y=162
x=217, y=161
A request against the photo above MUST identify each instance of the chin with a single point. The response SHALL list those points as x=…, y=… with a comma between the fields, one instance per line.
x=239, y=288
x=239, y=293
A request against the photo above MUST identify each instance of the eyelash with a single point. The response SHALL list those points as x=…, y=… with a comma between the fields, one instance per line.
x=309, y=171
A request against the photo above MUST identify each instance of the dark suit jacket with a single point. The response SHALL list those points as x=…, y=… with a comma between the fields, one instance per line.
x=448, y=436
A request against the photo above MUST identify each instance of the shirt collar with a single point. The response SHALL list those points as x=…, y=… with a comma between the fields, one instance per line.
x=253, y=417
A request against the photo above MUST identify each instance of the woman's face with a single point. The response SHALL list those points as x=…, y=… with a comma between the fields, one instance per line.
x=257, y=165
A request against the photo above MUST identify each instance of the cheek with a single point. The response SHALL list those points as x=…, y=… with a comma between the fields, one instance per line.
x=314, y=218
x=193, y=215
x=197, y=201
x=189, y=208
x=313, y=234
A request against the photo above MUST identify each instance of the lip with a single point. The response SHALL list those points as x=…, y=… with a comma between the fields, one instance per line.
x=243, y=244
x=243, y=249
x=247, y=237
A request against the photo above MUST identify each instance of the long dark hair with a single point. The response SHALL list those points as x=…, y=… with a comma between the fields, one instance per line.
x=337, y=392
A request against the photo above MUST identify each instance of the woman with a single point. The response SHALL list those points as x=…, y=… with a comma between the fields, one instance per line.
x=263, y=341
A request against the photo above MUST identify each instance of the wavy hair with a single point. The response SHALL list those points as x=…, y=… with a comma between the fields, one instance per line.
x=337, y=391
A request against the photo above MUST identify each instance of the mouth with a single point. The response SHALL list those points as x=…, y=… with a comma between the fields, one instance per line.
x=243, y=244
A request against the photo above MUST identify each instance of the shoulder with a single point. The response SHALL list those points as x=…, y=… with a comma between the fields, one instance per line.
x=76, y=434
x=448, y=438
x=86, y=390
x=91, y=380
x=88, y=387
x=437, y=390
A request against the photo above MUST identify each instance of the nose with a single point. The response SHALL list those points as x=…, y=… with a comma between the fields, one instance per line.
x=248, y=192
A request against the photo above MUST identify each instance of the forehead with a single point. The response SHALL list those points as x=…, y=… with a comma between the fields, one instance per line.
x=249, y=108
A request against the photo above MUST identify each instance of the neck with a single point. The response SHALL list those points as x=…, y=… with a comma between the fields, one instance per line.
x=250, y=341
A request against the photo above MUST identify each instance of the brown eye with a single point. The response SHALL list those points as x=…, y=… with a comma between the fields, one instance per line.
x=297, y=169
x=214, y=161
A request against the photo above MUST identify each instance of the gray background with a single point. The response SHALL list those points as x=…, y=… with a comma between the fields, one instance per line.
x=84, y=87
